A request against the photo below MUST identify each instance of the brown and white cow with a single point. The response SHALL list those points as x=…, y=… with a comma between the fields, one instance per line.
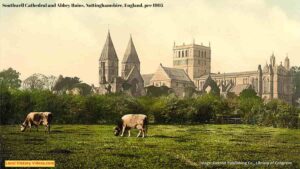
x=130, y=121
x=36, y=119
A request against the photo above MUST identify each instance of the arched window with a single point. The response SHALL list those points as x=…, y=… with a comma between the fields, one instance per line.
x=186, y=53
x=182, y=53
x=204, y=54
x=178, y=53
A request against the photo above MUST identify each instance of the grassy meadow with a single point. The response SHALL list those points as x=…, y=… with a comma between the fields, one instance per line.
x=167, y=146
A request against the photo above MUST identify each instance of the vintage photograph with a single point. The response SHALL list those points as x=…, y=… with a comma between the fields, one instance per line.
x=151, y=84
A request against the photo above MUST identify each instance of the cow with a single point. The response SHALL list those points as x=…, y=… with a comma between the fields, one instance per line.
x=36, y=119
x=130, y=121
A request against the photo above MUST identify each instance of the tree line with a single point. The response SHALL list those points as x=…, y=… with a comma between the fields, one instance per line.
x=246, y=108
x=107, y=109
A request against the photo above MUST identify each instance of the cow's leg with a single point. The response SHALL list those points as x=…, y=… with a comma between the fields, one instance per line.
x=139, y=133
x=29, y=125
x=129, y=133
x=143, y=133
x=140, y=128
x=123, y=130
x=49, y=128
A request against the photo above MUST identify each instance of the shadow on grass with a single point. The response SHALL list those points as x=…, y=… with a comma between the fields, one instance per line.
x=56, y=131
x=35, y=141
x=59, y=151
x=150, y=146
x=126, y=155
x=164, y=136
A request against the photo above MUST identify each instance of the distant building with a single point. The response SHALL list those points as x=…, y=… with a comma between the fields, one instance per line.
x=176, y=79
x=191, y=69
x=272, y=82
x=130, y=80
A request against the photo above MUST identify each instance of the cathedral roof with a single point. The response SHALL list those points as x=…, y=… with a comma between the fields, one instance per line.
x=108, y=51
x=176, y=74
x=130, y=55
x=134, y=74
x=237, y=89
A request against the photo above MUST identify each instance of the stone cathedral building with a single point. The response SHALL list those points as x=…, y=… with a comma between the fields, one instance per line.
x=130, y=81
x=271, y=81
x=191, y=70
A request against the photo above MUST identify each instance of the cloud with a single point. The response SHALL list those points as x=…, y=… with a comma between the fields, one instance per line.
x=243, y=34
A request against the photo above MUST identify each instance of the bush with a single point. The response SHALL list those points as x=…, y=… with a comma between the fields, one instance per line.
x=98, y=109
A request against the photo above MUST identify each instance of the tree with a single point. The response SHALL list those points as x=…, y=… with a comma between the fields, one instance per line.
x=65, y=83
x=10, y=78
x=248, y=93
x=85, y=88
x=35, y=81
x=5, y=105
x=296, y=74
x=39, y=81
x=250, y=105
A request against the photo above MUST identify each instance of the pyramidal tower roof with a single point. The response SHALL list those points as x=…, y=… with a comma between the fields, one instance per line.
x=130, y=55
x=108, y=51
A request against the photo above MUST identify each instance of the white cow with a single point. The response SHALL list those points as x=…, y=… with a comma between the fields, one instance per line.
x=130, y=121
x=36, y=119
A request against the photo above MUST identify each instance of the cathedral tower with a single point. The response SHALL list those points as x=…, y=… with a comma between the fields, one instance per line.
x=108, y=62
x=130, y=59
x=287, y=63
x=194, y=59
x=272, y=60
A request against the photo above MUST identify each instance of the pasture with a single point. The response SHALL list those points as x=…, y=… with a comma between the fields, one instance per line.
x=167, y=146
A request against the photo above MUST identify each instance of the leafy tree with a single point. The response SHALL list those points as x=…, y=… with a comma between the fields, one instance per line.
x=5, y=105
x=65, y=83
x=85, y=88
x=35, y=81
x=39, y=81
x=10, y=78
x=296, y=74
x=249, y=103
x=158, y=91
x=248, y=93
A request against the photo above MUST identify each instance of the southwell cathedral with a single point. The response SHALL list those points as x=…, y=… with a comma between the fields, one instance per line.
x=191, y=70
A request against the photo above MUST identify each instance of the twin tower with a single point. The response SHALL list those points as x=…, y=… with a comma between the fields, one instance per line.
x=109, y=80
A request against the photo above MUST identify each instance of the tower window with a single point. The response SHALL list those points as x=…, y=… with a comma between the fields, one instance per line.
x=186, y=53
x=182, y=53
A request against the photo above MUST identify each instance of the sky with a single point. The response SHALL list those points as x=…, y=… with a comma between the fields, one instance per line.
x=54, y=41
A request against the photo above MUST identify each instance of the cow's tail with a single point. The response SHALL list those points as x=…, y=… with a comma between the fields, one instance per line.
x=146, y=125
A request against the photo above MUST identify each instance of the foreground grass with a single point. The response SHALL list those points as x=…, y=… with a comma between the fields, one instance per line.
x=168, y=146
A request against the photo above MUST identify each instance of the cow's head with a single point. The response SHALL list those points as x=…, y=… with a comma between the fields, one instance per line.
x=117, y=130
x=23, y=127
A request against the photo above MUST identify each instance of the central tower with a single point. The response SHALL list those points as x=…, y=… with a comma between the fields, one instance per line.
x=194, y=59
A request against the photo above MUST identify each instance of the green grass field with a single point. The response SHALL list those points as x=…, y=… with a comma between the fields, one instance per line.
x=167, y=146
